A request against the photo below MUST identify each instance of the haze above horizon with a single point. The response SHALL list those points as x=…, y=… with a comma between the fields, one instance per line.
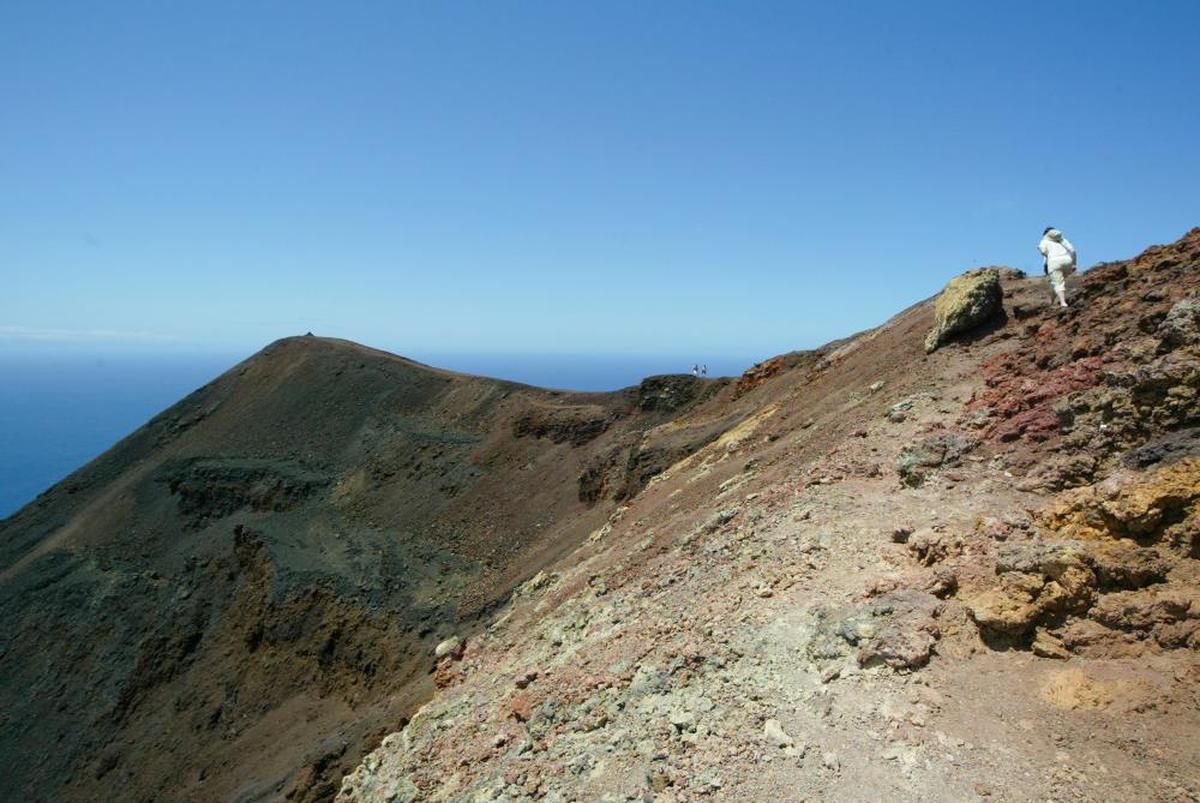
x=614, y=179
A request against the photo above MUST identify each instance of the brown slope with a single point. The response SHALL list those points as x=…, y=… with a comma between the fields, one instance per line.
x=231, y=600
x=868, y=591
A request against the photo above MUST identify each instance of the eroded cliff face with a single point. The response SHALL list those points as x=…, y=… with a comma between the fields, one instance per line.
x=970, y=574
x=238, y=599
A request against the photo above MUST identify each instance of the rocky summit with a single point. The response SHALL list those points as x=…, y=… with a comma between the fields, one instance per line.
x=955, y=557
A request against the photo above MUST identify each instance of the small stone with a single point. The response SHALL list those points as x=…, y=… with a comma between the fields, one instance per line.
x=775, y=734
x=1048, y=646
x=831, y=762
x=728, y=514
x=682, y=720
x=831, y=673
x=796, y=751
x=877, y=386
x=521, y=707
x=658, y=779
x=942, y=583
x=451, y=647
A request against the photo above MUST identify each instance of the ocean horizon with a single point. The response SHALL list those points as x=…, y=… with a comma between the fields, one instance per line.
x=60, y=411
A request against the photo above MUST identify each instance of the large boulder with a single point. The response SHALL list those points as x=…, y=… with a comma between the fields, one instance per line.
x=968, y=302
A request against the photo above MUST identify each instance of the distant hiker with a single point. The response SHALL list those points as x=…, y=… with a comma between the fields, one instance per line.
x=696, y=369
x=704, y=370
x=1058, y=258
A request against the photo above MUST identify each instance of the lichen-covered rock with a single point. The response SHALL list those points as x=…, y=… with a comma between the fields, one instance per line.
x=967, y=302
x=916, y=460
x=1181, y=327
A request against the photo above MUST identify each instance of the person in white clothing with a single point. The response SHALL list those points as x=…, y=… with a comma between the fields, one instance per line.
x=1058, y=257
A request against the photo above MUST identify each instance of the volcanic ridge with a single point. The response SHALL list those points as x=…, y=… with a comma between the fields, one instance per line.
x=955, y=557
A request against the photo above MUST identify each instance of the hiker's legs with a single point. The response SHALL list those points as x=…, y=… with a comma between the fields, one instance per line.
x=1058, y=284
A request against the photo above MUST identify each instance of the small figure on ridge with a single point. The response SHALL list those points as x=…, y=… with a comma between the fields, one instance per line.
x=1058, y=257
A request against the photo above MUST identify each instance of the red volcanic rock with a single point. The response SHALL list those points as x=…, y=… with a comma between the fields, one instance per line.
x=1121, y=314
x=1022, y=402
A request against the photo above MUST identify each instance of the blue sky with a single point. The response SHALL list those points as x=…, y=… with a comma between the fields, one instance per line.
x=603, y=178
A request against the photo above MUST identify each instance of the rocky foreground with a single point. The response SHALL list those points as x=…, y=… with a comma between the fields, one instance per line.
x=967, y=574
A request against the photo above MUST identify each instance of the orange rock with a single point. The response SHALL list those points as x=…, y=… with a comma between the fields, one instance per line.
x=521, y=707
x=1138, y=507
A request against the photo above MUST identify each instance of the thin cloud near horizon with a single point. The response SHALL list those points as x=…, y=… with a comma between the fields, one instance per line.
x=12, y=332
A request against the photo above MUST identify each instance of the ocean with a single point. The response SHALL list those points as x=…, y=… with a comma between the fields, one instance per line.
x=57, y=411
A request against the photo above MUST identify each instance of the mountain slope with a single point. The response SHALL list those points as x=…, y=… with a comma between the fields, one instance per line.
x=863, y=571
x=968, y=575
x=229, y=601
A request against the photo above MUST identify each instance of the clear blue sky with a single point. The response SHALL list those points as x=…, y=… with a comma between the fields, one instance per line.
x=611, y=177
